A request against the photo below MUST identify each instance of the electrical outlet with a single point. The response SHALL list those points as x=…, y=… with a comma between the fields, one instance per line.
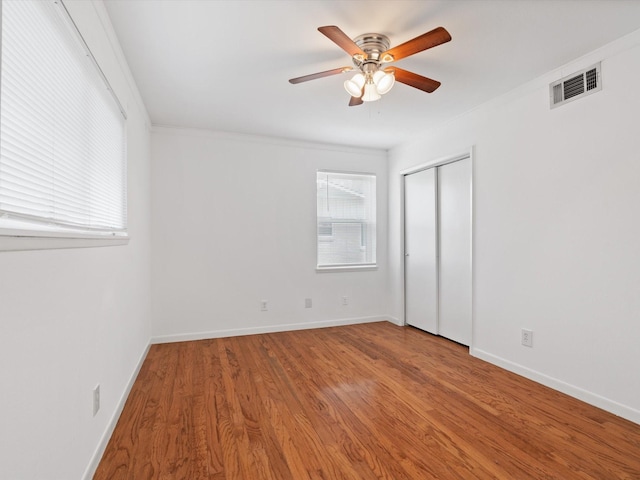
x=96, y=399
x=345, y=301
x=307, y=303
x=527, y=338
x=263, y=305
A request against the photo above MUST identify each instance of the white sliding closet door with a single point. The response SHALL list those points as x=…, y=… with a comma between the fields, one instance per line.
x=438, y=250
x=421, y=292
x=454, y=201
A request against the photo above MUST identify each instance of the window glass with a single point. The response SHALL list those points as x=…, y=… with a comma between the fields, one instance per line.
x=346, y=219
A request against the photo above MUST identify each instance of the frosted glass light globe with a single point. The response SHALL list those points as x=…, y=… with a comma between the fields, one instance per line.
x=354, y=86
x=384, y=81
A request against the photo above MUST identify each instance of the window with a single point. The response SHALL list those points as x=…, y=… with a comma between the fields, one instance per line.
x=62, y=131
x=346, y=220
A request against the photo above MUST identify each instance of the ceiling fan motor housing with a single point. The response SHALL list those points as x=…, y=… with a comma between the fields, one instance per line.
x=374, y=45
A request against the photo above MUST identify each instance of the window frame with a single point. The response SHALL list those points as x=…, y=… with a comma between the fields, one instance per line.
x=354, y=267
x=21, y=233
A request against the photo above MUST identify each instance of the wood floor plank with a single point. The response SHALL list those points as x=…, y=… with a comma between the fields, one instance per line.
x=360, y=402
x=411, y=422
x=462, y=411
x=300, y=443
x=326, y=411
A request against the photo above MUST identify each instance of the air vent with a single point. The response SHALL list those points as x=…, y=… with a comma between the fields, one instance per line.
x=575, y=86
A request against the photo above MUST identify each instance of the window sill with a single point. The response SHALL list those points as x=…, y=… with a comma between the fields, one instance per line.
x=17, y=242
x=347, y=268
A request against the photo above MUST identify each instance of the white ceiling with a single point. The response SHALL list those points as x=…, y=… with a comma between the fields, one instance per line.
x=224, y=65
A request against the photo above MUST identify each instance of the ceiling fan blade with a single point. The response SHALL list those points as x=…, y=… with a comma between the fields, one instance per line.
x=355, y=101
x=326, y=73
x=435, y=37
x=340, y=38
x=414, y=80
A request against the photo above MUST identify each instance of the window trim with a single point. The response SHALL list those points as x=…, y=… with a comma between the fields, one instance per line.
x=16, y=242
x=347, y=268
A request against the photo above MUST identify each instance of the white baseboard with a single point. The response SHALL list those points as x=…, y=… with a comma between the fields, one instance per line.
x=106, y=436
x=604, y=403
x=395, y=321
x=184, y=337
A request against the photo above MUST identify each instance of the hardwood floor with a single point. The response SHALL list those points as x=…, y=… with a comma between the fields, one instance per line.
x=372, y=401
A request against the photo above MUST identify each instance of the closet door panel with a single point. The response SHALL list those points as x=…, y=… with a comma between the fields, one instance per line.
x=421, y=278
x=454, y=200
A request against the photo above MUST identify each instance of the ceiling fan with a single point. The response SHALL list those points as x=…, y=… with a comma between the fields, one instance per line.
x=370, y=53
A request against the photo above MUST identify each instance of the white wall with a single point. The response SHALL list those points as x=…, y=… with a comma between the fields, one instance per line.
x=234, y=223
x=74, y=318
x=557, y=229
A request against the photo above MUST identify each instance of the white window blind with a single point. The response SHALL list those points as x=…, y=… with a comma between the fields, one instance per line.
x=62, y=131
x=346, y=215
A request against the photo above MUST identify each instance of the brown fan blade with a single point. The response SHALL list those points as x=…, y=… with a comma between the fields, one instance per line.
x=355, y=101
x=413, y=79
x=326, y=73
x=340, y=38
x=435, y=37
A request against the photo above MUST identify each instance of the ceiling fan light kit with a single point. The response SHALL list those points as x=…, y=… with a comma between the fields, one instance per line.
x=369, y=52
